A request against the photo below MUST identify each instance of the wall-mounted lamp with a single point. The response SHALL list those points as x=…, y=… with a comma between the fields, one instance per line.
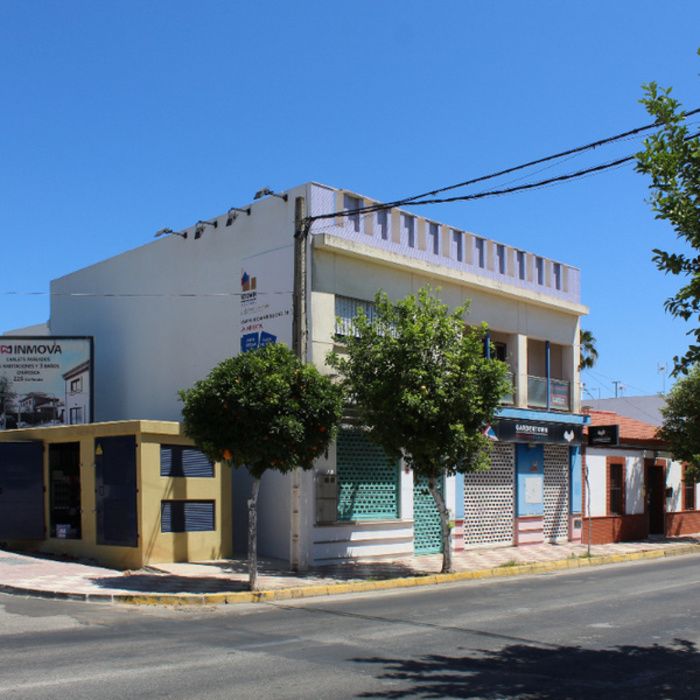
x=169, y=232
x=266, y=190
x=199, y=228
x=233, y=213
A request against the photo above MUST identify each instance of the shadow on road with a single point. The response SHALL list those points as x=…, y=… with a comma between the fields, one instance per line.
x=537, y=673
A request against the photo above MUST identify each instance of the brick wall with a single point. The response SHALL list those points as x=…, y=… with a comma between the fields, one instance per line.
x=616, y=528
x=683, y=523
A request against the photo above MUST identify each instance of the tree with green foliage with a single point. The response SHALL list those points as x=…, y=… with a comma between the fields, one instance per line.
x=681, y=426
x=262, y=409
x=424, y=389
x=589, y=352
x=671, y=156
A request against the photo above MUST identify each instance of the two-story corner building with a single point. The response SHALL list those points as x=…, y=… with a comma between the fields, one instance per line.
x=164, y=314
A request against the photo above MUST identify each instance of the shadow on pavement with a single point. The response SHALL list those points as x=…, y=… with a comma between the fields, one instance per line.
x=540, y=673
x=168, y=583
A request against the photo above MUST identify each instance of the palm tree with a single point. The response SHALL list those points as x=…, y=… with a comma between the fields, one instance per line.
x=589, y=354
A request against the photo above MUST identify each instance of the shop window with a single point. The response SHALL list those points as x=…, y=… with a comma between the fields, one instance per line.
x=616, y=489
x=186, y=516
x=64, y=491
x=180, y=460
x=688, y=490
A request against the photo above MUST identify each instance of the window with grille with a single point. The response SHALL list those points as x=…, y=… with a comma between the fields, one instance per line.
x=556, y=492
x=346, y=309
x=367, y=480
x=615, y=489
x=186, y=516
x=688, y=491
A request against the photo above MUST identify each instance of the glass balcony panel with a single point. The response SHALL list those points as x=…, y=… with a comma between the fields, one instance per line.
x=537, y=392
x=508, y=399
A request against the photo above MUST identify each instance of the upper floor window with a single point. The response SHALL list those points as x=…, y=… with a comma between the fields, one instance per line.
x=539, y=267
x=501, y=258
x=521, y=264
x=458, y=246
x=383, y=224
x=500, y=351
x=434, y=237
x=409, y=227
x=352, y=204
x=556, y=268
x=480, y=249
x=76, y=385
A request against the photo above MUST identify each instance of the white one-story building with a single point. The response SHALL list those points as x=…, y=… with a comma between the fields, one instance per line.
x=164, y=314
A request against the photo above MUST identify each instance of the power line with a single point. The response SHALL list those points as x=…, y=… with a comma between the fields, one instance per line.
x=418, y=199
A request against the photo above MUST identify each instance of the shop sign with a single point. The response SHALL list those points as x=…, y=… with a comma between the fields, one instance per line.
x=604, y=435
x=514, y=430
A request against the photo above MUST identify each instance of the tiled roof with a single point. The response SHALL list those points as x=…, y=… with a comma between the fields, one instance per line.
x=631, y=430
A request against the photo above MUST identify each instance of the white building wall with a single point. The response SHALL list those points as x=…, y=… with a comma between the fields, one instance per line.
x=674, y=480
x=634, y=487
x=596, y=465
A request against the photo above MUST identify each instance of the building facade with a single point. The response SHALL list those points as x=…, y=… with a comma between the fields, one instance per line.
x=633, y=488
x=164, y=314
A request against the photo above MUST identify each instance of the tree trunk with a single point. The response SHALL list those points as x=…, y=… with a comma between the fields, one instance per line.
x=253, y=535
x=444, y=526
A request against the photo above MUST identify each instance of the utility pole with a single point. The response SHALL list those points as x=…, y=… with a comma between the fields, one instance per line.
x=618, y=384
x=299, y=346
x=661, y=369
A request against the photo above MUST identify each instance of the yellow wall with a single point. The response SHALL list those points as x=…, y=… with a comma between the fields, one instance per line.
x=153, y=545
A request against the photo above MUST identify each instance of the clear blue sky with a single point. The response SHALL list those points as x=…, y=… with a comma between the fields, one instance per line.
x=120, y=118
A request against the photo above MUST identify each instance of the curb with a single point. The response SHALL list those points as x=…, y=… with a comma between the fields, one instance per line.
x=317, y=590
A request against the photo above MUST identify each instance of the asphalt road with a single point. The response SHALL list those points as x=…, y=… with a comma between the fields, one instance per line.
x=628, y=631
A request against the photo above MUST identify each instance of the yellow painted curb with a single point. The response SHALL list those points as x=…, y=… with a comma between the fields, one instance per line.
x=317, y=590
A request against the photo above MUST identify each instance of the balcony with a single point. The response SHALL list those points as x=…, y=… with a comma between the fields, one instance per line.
x=559, y=393
x=508, y=399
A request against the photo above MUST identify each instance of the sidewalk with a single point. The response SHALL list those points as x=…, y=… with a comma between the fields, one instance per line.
x=225, y=581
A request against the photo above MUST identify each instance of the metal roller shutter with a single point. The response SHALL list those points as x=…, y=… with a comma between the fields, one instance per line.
x=179, y=460
x=186, y=516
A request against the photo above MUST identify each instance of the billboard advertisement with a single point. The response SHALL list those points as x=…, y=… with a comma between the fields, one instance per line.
x=45, y=380
x=266, y=299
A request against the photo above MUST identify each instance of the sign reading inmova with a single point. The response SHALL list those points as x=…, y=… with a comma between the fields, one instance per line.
x=45, y=380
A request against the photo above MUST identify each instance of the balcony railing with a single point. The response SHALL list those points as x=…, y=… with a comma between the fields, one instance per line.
x=508, y=399
x=559, y=393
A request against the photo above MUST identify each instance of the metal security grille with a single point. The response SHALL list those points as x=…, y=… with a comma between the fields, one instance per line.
x=346, y=309
x=178, y=460
x=556, y=492
x=186, y=516
x=489, y=500
x=426, y=519
x=368, y=481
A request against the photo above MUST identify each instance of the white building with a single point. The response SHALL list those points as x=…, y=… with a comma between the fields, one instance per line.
x=174, y=308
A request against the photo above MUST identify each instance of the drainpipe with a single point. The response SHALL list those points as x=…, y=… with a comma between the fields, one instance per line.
x=547, y=368
x=487, y=345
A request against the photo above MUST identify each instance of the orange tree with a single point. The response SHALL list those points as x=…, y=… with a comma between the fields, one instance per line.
x=262, y=410
x=424, y=388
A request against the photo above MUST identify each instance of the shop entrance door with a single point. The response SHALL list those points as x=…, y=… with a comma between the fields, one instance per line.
x=21, y=491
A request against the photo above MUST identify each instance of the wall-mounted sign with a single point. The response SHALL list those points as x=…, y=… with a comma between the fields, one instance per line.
x=604, y=435
x=514, y=430
x=45, y=380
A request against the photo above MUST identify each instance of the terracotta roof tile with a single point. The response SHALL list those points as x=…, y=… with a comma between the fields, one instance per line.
x=630, y=429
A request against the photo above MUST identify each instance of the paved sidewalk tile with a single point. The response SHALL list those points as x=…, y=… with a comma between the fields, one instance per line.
x=43, y=573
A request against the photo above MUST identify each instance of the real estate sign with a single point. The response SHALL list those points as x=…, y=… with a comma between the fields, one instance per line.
x=45, y=380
